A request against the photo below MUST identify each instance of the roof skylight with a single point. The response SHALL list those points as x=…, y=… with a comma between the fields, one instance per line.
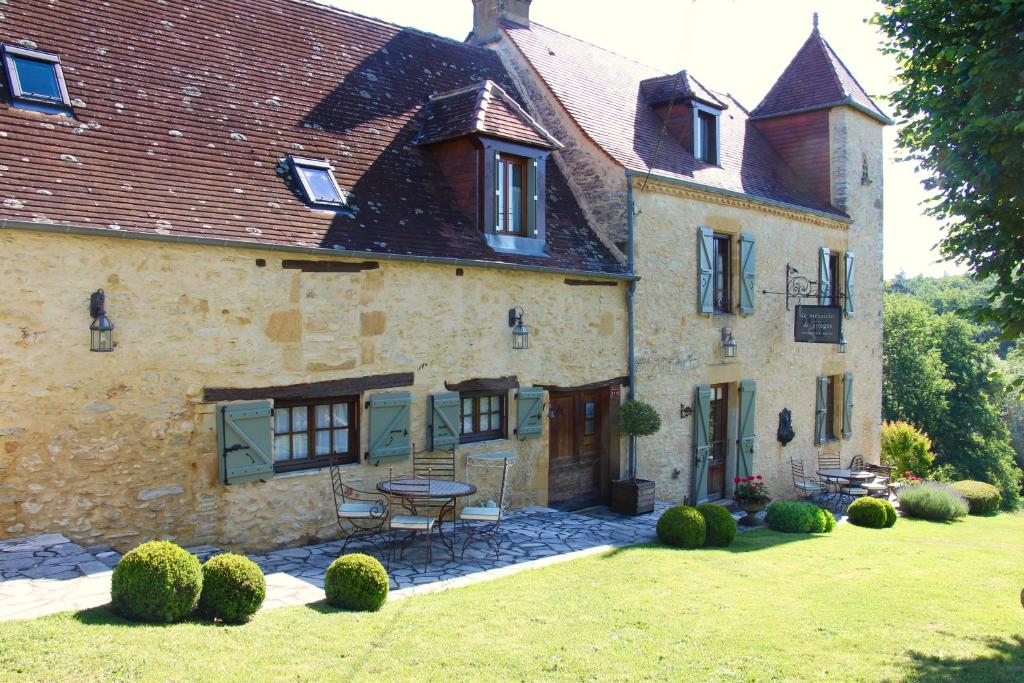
x=316, y=178
x=36, y=79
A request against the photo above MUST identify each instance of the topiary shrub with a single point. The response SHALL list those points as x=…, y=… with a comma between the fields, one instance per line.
x=890, y=515
x=982, y=498
x=719, y=524
x=356, y=582
x=682, y=527
x=932, y=500
x=157, y=581
x=870, y=512
x=797, y=517
x=637, y=418
x=233, y=588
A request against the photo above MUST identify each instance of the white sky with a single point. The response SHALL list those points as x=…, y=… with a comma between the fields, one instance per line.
x=739, y=46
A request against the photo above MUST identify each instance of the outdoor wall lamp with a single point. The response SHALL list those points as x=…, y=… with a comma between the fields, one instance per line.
x=520, y=334
x=728, y=343
x=101, y=330
x=842, y=344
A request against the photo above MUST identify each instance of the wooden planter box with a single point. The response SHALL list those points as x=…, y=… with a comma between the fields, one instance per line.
x=632, y=496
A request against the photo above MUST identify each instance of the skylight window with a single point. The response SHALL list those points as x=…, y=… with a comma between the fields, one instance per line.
x=316, y=178
x=35, y=79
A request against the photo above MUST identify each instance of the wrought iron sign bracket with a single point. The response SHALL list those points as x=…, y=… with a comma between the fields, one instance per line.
x=799, y=287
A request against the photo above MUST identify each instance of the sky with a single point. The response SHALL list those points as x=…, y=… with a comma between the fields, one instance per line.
x=739, y=46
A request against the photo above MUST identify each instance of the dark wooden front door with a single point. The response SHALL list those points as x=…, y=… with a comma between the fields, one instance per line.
x=719, y=431
x=578, y=448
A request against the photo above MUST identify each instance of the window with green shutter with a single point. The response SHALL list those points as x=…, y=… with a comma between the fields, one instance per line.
x=529, y=406
x=849, y=261
x=245, y=441
x=847, y=405
x=705, y=271
x=747, y=426
x=821, y=410
x=701, y=441
x=825, y=274
x=747, y=272
x=389, y=427
x=443, y=423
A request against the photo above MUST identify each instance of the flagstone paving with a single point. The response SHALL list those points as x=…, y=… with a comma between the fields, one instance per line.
x=48, y=573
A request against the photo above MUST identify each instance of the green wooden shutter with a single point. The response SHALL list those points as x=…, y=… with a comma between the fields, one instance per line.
x=445, y=414
x=245, y=441
x=531, y=198
x=848, y=301
x=705, y=271
x=745, y=438
x=824, y=277
x=497, y=189
x=820, y=411
x=701, y=442
x=529, y=422
x=389, y=426
x=746, y=273
x=847, y=405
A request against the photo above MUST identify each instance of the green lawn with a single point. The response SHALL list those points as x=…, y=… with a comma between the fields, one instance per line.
x=921, y=601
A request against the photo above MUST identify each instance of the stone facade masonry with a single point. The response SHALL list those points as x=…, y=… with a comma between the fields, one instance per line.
x=120, y=447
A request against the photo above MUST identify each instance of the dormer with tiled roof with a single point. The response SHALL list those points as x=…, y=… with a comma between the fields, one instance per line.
x=690, y=112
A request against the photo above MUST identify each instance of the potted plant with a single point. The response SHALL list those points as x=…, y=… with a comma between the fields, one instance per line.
x=751, y=494
x=632, y=496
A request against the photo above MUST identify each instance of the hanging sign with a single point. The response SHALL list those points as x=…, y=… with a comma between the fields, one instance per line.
x=818, y=324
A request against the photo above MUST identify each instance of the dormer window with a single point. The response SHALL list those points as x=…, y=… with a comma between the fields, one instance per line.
x=705, y=134
x=514, y=221
x=512, y=205
x=35, y=79
x=316, y=179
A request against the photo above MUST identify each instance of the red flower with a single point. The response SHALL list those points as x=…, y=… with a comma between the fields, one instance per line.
x=759, y=476
x=736, y=480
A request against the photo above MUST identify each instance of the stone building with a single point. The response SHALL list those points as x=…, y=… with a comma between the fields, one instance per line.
x=714, y=205
x=320, y=235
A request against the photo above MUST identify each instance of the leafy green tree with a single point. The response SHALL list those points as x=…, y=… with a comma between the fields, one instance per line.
x=961, y=96
x=914, y=385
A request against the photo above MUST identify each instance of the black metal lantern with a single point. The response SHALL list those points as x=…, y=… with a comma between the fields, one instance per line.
x=101, y=331
x=520, y=334
x=728, y=343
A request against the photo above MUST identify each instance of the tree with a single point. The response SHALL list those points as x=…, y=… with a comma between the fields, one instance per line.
x=914, y=385
x=961, y=96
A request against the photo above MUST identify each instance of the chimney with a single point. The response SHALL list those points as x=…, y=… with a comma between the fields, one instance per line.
x=488, y=13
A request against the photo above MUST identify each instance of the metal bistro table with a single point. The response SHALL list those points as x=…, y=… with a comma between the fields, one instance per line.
x=440, y=489
x=836, y=477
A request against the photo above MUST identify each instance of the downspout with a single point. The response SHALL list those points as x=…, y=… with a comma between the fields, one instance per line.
x=630, y=315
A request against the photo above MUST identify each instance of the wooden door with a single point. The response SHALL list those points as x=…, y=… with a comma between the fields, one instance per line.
x=719, y=442
x=578, y=473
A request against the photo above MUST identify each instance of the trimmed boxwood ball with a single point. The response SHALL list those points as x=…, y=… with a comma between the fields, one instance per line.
x=233, y=588
x=157, y=581
x=982, y=498
x=890, y=514
x=719, y=525
x=798, y=517
x=868, y=512
x=682, y=527
x=356, y=582
x=824, y=522
x=637, y=418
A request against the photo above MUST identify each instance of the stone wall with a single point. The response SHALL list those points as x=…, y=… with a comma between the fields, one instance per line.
x=120, y=447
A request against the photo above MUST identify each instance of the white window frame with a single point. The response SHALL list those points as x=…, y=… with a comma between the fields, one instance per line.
x=319, y=164
x=698, y=108
x=17, y=93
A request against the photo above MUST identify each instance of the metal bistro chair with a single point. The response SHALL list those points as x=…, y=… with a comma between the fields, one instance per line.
x=879, y=485
x=857, y=462
x=482, y=524
x=808, y=487
x=436, y=465
x=831, y=461
x=411, y=492
x=361, y=514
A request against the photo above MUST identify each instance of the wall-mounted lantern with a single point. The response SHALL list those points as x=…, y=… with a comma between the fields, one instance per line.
x=520, y=335
x=101, y=331
x=728, y=343
x=841, y=346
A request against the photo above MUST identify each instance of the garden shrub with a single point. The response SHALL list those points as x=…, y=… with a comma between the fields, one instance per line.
x=157, y=581
x=356, y=582
x=637, y=418
x=797, y=517
x=719, y=524
x=932, y=500
x=682, y=527
x=873, y=513
x=906, y=449
x=233, y=588
x=981, y=498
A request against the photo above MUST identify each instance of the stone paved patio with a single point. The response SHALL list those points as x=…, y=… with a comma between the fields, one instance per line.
x=47, y=573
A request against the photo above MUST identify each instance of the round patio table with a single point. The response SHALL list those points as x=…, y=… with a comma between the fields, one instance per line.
x=411, y=490
x=835, y=477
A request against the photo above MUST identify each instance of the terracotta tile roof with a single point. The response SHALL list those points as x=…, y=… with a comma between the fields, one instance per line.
x=816, y=79
x=185, y=109
x=658, y=90
x=601, y=90
x=482, y=108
